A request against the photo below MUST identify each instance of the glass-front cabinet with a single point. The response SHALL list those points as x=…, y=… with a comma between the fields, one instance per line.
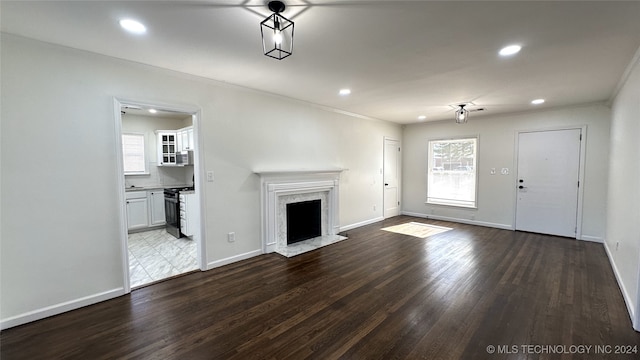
x=167, y=147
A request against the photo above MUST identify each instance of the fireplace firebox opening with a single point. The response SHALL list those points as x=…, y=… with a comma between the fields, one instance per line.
x=304, y=221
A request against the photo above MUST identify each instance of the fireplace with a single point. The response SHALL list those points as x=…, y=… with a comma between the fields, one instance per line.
x=303, y=221
x=287, y=194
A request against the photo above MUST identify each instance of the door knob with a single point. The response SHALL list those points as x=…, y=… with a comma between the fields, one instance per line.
x=386, y=184
x=522, y=187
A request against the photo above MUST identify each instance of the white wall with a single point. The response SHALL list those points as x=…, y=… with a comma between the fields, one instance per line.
x=623, y=211
x=496, y=193
x=61, y=246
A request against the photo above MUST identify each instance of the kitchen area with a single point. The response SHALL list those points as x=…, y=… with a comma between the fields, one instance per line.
x=162, y=209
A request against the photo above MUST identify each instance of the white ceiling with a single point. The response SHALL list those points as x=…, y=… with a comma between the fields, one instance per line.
x=401, y=59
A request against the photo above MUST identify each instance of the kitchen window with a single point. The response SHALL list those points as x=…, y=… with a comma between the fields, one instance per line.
x=134, y=158
x=452, y=172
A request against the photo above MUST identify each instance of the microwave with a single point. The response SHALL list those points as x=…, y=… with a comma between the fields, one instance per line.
x=184, y=157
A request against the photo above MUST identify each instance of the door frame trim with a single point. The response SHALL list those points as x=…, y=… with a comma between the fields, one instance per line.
x=384, y=140
x=200, y=233
x=581, y=167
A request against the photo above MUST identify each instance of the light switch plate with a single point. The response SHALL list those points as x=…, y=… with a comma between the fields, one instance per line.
x=504, y=171
x=493, y=171
x=209, y=176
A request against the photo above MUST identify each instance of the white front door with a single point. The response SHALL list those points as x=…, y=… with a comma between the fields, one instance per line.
x=391, y=178
x=547, y=181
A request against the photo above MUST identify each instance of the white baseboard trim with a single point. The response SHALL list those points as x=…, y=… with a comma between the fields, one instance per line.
x=232, y=259
x=362, y=223
x=592, y=238
x=59, y=308
x=462, y=221
x=625, y=293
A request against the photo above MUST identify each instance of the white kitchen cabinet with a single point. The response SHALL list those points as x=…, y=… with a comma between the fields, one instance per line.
x=189, y=145
x=179, y=141
x=137, y=210
x=189, y=219
x=167, y=147
x=185, y=138
x=156, y=207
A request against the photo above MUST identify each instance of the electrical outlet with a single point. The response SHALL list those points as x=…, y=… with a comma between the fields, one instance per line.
x=231, y=237
x=210, y=176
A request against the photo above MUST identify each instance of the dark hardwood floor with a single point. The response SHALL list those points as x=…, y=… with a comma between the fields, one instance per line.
x=378, y=295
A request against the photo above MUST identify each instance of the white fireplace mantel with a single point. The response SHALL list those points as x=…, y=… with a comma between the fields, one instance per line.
x=277, y=185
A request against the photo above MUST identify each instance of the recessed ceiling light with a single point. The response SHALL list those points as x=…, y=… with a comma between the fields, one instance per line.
x=510, y=50
x=537, y=101
x=133, y=26
x=345, y=92
x=153, y=111
x=421, y=117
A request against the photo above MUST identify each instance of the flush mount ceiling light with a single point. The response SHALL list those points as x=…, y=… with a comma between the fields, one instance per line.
x=133, y=26
x=462, y=115
x=537, y=101
x=153, y=111
x=421, y=117
x=277, y=33
x=345, y=92
x=510, y=50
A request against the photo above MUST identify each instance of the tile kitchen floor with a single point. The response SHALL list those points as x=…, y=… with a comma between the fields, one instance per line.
x=155, y=255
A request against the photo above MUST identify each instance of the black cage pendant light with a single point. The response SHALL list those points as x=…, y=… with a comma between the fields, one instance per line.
x=277, y=33
x=462, y=115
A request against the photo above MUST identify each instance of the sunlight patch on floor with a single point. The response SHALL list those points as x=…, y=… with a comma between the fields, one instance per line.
x=417, y=229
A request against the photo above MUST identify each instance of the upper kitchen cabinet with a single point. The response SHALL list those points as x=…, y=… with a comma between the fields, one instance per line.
x=185, y=138
x=167, y=147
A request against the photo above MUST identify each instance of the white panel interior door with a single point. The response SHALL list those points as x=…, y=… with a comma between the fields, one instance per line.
x=391, y=178
x=548, y=173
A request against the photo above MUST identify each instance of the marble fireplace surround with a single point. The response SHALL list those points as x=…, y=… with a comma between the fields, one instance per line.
x=279, y=188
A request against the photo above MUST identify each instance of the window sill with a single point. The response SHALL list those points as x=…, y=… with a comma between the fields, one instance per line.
x=137, y=174
x=457, y=206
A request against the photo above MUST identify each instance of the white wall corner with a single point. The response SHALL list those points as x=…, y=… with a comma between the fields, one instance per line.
x=635, y=320
x=635, y=61
x=597, y=239
x=628, y=300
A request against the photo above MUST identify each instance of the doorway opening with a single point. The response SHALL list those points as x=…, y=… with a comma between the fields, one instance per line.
x=160, y=192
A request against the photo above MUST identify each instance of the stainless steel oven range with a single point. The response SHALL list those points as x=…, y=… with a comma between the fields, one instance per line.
x=172, y=210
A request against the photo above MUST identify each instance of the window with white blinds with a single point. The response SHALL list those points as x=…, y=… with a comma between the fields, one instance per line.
x=133, y=154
